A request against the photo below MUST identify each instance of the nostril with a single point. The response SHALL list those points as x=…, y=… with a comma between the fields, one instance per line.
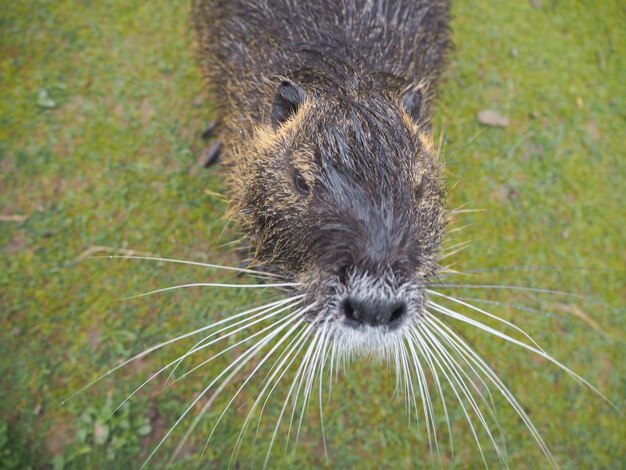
x=397, y=313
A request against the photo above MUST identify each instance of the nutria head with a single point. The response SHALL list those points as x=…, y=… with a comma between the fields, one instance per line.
x=341, y=191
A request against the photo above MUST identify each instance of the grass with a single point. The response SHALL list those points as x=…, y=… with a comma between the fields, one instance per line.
x=99, y=119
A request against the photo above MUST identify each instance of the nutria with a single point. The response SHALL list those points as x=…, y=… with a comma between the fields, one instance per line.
x=324, y=121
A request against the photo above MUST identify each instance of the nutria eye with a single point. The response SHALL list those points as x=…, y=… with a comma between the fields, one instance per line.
x=299, y=183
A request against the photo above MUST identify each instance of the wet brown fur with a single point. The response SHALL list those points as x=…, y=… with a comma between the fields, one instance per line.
x=376, y=197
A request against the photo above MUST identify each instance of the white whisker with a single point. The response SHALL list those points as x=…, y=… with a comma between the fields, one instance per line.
x=204, y=409
x=247, y=322
x=174, y=340
x=505, y=287
x=238, y=363
x=454, y=249
x=539, y=352
x=321, y=385
x=423, y=348
x=484, y=312
x=305, y=360
x=258, y=366
x=462, y=348
x=443, y=363
x=191, y=263
x=311, y=377
x=410, y=392
x=330, y=371
x=526, y=268
x=460, y=374
x=212, y=284
x=519, y=307
x=429, y=416
x=290, y=354
x=284, y=319
x=206, y=345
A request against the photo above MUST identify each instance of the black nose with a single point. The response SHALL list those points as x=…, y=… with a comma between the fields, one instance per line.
x=373, y=312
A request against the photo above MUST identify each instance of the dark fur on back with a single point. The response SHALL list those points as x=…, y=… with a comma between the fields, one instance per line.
x=324, y=114
x=337, y=45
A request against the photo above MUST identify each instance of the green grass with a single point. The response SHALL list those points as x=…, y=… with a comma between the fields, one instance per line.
x=99, y=121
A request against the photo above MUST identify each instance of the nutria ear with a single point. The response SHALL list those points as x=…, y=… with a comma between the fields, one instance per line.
x=412, y=103
x=287, y=100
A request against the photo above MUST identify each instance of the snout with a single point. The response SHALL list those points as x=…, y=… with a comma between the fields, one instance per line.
x=382, y=300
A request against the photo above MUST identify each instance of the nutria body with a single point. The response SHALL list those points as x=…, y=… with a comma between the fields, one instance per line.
x=323, y=110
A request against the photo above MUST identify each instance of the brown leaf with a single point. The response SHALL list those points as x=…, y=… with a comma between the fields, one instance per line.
x=492, y=118
x=13, y=218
